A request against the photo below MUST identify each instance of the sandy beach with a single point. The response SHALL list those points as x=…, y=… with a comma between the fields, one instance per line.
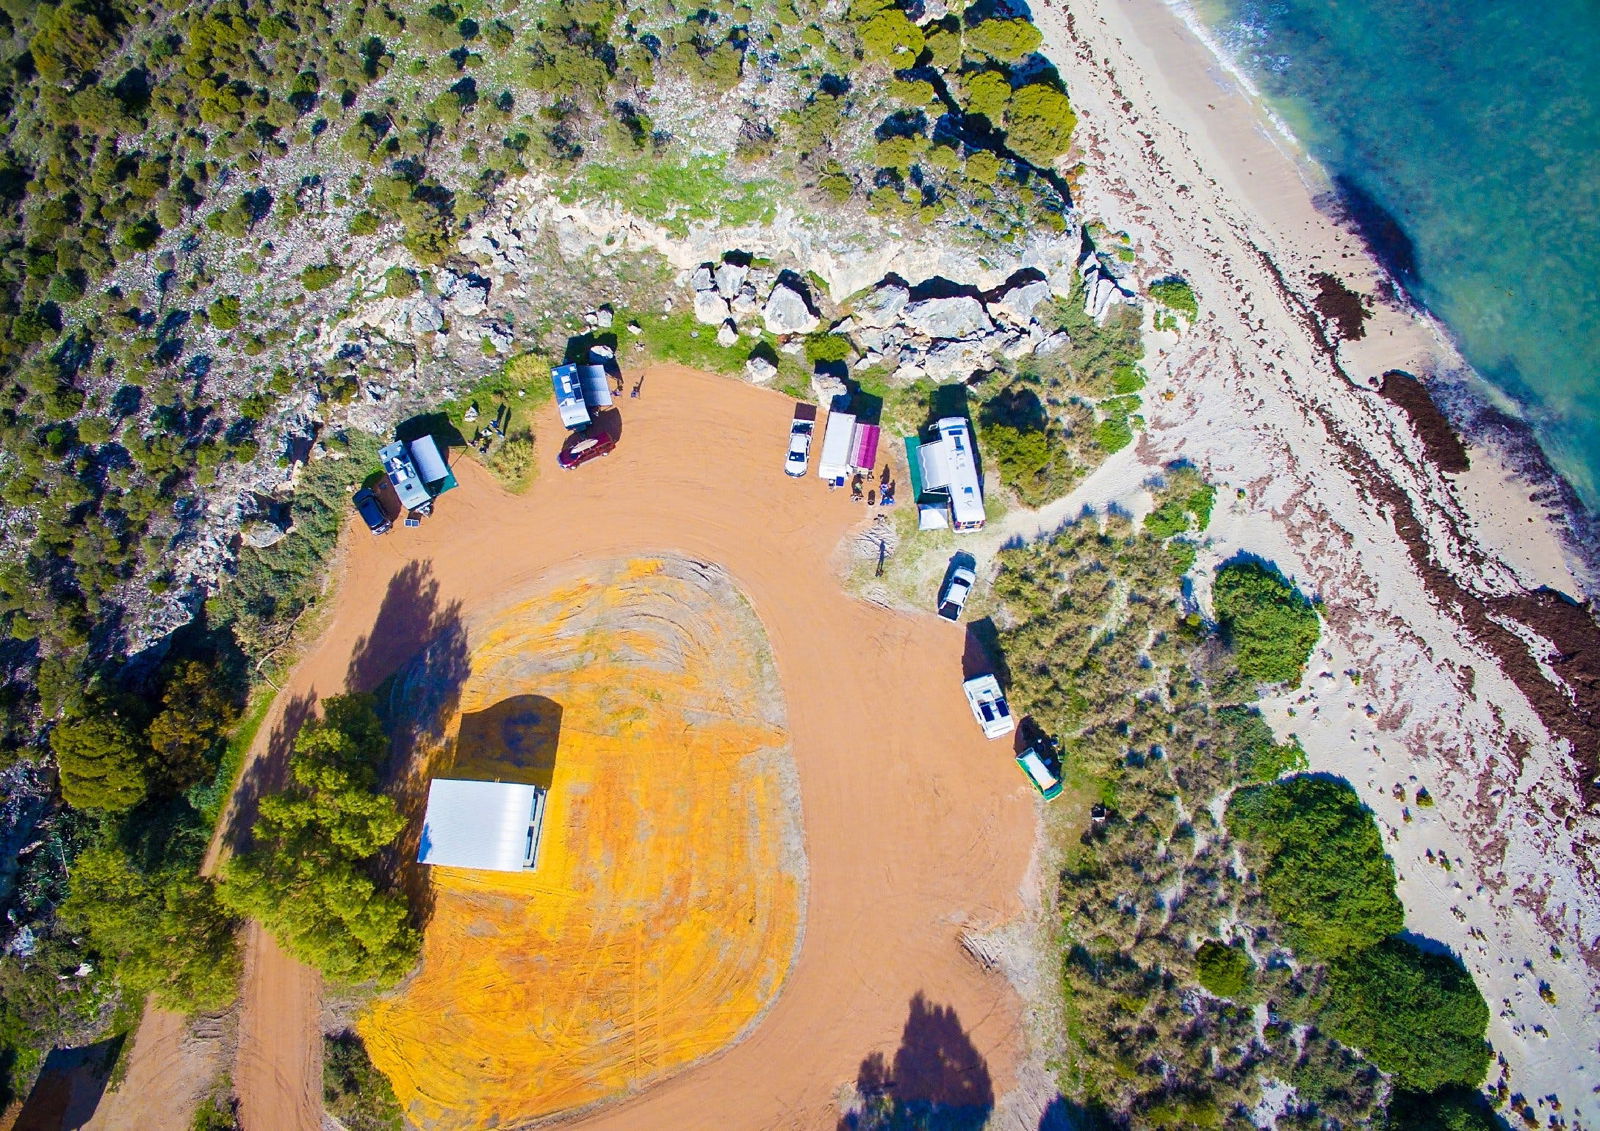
x=1413, y=684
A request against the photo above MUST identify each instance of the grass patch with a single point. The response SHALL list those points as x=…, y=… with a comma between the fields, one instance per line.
x=210, y=797
x=676, y=194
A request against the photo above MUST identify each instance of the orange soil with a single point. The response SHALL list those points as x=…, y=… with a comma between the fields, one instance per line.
x=662, y=916
x=915, y=826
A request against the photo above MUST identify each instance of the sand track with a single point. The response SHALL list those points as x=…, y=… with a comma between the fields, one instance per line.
x=915, y=827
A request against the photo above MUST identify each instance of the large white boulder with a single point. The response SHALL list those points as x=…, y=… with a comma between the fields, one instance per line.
x=959, y=316
x=729, y=278
x=710, y=308
x=881, y=309
x=1018, y=304
x=958, y=360
x=788, y=312
x=760, y=370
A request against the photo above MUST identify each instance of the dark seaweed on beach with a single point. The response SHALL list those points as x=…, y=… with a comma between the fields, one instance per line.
x=1443, y=446
x=1341, y=306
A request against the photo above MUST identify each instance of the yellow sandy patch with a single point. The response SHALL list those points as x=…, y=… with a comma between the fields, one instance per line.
x=664, y=913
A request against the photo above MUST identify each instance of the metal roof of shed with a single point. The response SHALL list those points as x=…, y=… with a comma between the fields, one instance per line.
x=488, y=825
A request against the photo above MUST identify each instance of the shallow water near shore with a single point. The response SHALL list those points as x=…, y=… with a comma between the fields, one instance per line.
x=1468, y=138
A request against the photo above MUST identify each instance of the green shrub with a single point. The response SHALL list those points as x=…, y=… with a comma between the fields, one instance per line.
x=353, y=1090
x=887, y=34
x=828, y=348
x=1418, y=1016
x=1222, y=969
x=1039, y=123
x=913, y=92
x=398, y=282
x=1024, y=457
x=1113, y=435
x=1270, y=625
x=363, y=223
x=224, y=312
x=1175, y=294
x=1006, y=40
x=321, y=277
x=1259, y=756
x=988, y=93
x=1321, y=863
x=1126, y=378
x=512, y=463
x=1179, y=511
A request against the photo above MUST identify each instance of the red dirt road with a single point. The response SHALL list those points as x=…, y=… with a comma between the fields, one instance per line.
x=916, y=827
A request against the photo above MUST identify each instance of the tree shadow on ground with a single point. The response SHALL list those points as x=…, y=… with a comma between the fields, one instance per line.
x=69, y=1087
x=1062, y=1114
x=435, y=424
x=938, y=1081
x=409, y=620
x=268, y=773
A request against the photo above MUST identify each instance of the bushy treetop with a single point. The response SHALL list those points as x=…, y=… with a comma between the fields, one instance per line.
x=1418, y=1016
x=1321, y=863
x=1270, y=624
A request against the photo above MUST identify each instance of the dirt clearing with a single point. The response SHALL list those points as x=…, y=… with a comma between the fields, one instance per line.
x=915, y=828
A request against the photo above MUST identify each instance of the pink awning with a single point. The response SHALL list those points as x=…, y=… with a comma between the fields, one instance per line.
x=864, y=450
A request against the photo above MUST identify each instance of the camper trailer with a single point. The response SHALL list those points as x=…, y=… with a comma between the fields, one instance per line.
x=944, y=472
x=406, y=480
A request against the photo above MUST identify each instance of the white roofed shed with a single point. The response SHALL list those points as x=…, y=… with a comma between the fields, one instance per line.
x=488, y=825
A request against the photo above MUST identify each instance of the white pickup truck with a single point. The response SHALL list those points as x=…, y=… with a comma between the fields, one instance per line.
x=801, y=429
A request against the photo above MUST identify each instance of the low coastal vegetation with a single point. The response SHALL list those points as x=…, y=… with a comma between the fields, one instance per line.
x=1192, y=984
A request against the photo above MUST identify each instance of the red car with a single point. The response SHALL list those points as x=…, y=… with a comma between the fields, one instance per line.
x=586, y=445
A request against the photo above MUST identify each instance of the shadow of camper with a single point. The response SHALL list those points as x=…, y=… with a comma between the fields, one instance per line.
x=982, y=654
x=435, y=424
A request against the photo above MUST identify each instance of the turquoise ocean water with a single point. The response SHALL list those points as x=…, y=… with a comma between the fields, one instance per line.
x=1470, y=134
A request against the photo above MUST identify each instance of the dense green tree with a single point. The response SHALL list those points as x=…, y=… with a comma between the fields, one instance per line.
x=309, y=875
x=196, y=712
x=887, y=33
x=1039, y=123
x=71, y=39
x=989, y=94
x=1418, y=1016
x=1320, y=862
x=165, y=932
x=103, y=760
x=1270, y=624
x=1006, y=40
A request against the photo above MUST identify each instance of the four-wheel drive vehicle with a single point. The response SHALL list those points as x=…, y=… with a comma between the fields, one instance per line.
x=370, y=507
x=989, y=706
x=800, y=433
x=955, y=592
x=587, y=444
x=1033, y=764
